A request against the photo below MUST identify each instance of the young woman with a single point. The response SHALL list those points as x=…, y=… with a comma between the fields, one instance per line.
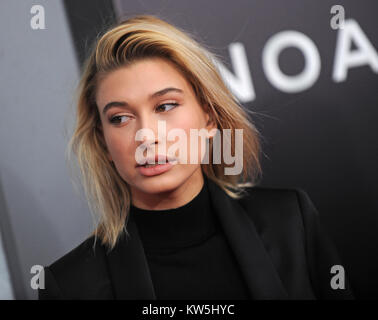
x=171, y=228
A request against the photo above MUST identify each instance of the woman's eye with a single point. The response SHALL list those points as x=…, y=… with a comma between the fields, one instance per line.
x=162, y=108
x=170, y=106
x=119, y=119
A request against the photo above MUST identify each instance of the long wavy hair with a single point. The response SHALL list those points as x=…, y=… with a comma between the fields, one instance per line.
x=136, y=38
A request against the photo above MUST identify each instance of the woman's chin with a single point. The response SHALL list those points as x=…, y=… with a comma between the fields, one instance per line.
x=158, y=184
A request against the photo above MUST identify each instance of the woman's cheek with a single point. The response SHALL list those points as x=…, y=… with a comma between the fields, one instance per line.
x=120, y=146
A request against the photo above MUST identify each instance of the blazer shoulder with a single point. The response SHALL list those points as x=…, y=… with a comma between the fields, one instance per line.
x=290, y=226
x=76, y=258
x=273, y=200
x=270, y=191
x=277, y=213
x=79, y=270
x=281, y=204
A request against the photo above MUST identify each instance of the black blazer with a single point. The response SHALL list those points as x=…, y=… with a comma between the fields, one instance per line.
x=274, y=233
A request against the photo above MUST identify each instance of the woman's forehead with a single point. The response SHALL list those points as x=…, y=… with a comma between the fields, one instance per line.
x=141, y=81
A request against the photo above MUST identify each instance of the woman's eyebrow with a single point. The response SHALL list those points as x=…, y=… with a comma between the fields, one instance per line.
x=152, y=96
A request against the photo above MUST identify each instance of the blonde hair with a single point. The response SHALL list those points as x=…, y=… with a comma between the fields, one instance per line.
x=140, y=37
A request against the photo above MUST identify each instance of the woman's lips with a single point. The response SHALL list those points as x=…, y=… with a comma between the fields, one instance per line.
x=156, y=169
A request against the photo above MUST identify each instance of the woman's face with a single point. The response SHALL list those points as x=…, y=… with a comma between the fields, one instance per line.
x=131, y=88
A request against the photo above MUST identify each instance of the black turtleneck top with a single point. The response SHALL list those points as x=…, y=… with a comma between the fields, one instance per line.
x=187, y=252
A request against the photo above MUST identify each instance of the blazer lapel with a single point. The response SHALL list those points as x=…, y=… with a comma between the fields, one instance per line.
x=128, y=268
x=260, y=275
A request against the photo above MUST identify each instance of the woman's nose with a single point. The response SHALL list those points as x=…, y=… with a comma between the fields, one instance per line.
x=153, y=128
x=148, y=122
x=147, y=127
x=147, y=130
